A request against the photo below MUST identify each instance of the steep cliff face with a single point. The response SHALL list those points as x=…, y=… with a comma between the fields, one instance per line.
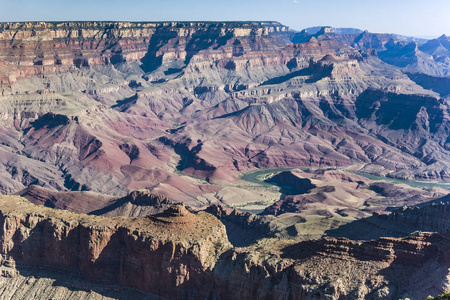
x=411, y=54
x=424, y=120
x=38, y=48
x=387, y=268
x=72, y=75
x=177, y=254
x=358, y=40
x=116, y=107
x=339, y=268
x=432, y=216
x=169, y=254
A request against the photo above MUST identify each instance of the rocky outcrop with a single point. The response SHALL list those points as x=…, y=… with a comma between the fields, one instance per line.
x=45, y=284
x=388, y=267
x=334, y=193
x=177, y=254
x=426, y=217
x=358, y=39
x=411, y=54
x=332, y=268
x=116, y=107
x=139, y=203
x=403, y=221
x=170, y=254
x=44, y=47
x=78, y=202
x=243, y=228
x=291, y=183
x=398, y=114
x=440, y=85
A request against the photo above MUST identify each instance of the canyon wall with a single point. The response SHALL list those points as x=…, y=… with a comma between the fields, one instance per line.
x=42, y=48
x=112, y=107
x=177, y=254
x=170, y=254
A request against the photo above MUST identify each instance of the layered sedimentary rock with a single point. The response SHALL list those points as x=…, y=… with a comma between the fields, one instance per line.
x=58, y=46
x=178, y=254
x=78, y=202
x=169, y=254
x=178, y=110
x=312, y=202
x=139, y=203
x=431, y=216
x=332, y=193
x=103, y=63
x=244, y=228
x=331, y=268
x=411, y=54
x=116, y=107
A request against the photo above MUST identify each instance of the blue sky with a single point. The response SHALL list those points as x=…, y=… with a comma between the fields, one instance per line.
x=408, y=17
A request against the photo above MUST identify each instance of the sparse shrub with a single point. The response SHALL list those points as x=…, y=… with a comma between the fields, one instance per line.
x=444, y=296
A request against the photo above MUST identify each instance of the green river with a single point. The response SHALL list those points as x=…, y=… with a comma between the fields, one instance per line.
x=253, y=176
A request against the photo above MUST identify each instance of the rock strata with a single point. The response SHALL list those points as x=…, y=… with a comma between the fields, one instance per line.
x=177, y=254
x=169, y=255
x=113, y=107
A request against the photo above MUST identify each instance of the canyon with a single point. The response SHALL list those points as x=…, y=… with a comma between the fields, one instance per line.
x=124, y=148
x=116, y=107
x=172, y=254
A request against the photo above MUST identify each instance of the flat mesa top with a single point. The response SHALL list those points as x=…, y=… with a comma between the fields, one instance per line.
x=126, y=24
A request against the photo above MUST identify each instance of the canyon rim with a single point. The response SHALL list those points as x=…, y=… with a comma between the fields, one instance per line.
x=222, y=160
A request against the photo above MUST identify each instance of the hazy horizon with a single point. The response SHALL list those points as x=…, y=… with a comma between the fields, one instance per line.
x=411, y=18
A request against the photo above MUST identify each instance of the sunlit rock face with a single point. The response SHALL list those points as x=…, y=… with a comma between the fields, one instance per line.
x=179, y=254
x=169, y=254
x=115, y=107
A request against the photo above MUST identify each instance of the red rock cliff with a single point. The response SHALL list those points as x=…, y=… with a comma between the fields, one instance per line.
x=169, y=254
x=178, y=254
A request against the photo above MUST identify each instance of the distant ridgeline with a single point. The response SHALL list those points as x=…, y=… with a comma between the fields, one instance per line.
x=212, y=100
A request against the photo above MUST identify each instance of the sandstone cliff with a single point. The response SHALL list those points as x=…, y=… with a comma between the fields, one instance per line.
x=411, y=54
x=177, y=254
x=34, y=48
x=169, y=254
x=116, y=107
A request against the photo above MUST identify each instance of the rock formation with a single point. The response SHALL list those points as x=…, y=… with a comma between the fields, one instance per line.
x=103, y=123
x=411, y=54
x=139, y=203
x=78, y=202
x=177, y=254
x=169, y=254
x=331, y=193
x=292, y=183
x=113, y=107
